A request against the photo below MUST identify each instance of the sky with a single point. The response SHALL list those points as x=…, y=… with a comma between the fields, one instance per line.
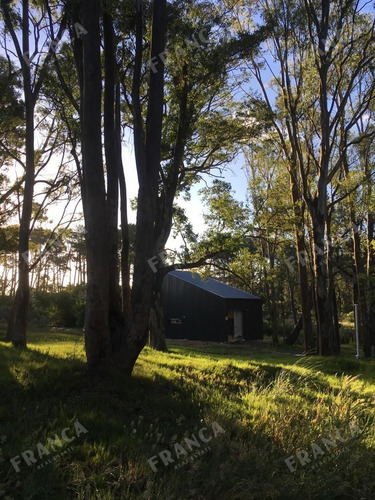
x=194, y=207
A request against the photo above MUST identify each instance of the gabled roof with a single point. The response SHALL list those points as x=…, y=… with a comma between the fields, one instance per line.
x=213, y=286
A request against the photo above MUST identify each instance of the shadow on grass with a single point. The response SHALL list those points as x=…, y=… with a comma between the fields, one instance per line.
x=130, y=420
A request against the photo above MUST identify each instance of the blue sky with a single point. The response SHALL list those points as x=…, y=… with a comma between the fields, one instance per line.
x=194, y=207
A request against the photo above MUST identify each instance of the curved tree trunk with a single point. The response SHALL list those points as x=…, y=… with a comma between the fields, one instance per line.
x=294, y=334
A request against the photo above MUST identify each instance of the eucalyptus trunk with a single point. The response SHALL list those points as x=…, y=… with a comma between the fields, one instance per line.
x=305, y=292
x=336, y=344
x=97, y=333
x=165, y=216
x=324, y=310
x=113, y=166
x=125, y=238
x=147, y=152
x=318, y=205
x=17, y=326
x=369, y=337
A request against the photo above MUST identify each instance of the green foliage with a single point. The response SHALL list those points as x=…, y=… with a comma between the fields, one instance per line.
x=60, y=309
x=5, y=309
x=11, y=132
x=11, y=106
x=9, y=239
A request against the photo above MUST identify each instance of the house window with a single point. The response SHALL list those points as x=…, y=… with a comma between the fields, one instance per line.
x=175, y=321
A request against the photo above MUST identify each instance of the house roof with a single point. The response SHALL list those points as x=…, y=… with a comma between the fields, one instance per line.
x=213, y=286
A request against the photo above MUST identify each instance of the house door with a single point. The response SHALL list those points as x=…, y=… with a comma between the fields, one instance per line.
x=238, y=323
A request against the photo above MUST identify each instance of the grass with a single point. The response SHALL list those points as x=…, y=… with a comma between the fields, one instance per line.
x=245, y=410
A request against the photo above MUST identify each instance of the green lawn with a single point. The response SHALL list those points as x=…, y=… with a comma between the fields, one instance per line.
x=201, y=422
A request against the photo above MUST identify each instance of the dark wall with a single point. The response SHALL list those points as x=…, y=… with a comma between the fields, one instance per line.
x=196, y=314
x=200, y=313
x=207, y=315
x=174, y=308
x=252, y=316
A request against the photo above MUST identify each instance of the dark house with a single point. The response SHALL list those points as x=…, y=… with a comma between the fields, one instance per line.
x=198, y=308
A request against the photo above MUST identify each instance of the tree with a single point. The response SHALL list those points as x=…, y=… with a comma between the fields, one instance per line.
x=313, y=44
x=147, y=146
x=97, y=333
x=32, y=79
x=200, y=135
x=11, y=128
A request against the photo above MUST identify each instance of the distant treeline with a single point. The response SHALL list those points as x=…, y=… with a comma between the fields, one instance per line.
x=59, y=309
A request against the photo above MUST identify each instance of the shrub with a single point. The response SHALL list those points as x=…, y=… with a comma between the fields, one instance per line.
x=62, y=309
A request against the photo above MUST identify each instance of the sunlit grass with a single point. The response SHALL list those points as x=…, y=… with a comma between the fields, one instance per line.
x=62, y=345
x=270, y=403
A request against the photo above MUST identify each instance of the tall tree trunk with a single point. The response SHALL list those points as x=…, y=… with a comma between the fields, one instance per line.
x=165, y=214
x=275, y=314
x=358, y=269
x=331, y=291
x=97, y=335
x=359, y=285
x=305, y=292
x=125, y=264
x=293, y=306
x=113, y=161
x=306, y=302
x=31, y=86
x=324, y=310
x=359, y=292
x=369, y=281
x=148, y=164
x=318, y=206
x=18, y=323
x=270, y=299
x=369, y=337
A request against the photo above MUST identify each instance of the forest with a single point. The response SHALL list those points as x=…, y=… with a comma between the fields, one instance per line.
x=95, y=402
x=287, y=87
